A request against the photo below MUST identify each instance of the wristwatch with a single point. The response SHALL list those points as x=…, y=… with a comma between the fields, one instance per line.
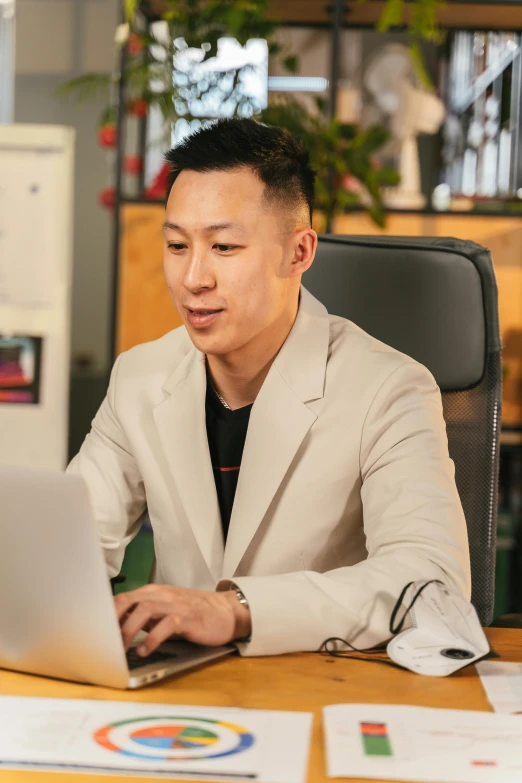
x=242, y=600
x=240, y=595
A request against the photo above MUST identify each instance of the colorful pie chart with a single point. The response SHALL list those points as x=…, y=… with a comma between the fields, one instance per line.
x=172, y=736
x=165, y=738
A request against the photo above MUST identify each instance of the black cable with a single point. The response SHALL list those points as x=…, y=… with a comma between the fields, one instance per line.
x=349, y=655
x=394, y=629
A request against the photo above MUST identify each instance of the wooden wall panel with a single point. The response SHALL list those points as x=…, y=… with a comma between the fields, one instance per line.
x=145, y=310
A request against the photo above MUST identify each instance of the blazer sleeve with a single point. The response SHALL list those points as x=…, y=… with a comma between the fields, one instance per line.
x=115, y=486
x=413, y=521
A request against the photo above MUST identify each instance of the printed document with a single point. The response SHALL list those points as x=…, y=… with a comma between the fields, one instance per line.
x=203, y=743
x=422, y=744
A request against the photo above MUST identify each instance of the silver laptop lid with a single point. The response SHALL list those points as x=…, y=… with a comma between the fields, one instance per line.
x=57, y=616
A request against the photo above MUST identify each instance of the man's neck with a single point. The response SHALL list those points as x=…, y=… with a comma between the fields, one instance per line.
x=238, y=377
x=238, y=388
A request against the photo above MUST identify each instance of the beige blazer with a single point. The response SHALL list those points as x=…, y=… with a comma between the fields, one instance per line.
x=345, y=493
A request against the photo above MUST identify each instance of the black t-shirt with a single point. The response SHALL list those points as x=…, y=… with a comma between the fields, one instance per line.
x=226, y=433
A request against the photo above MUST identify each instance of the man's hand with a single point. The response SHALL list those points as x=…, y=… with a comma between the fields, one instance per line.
x=196, y=615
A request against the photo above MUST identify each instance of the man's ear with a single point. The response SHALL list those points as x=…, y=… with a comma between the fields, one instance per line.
x=305, y=246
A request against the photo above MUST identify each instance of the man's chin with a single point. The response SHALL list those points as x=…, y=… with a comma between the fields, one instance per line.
x=207, y=343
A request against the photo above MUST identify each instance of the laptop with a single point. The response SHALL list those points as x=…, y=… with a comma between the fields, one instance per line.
x=57, y=613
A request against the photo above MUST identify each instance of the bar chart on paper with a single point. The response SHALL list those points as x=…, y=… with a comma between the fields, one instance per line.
x=393, y=742
x=375, y=739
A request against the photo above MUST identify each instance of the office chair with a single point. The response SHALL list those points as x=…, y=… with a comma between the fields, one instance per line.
x=436, y=300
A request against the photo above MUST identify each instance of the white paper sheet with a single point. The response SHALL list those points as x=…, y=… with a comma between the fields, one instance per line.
x=503, y=685
x=204, y=743
x=422, y=744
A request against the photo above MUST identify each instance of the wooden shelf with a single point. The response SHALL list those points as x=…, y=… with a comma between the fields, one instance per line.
x=495, y=15
x=478, y=213
x=500, y=15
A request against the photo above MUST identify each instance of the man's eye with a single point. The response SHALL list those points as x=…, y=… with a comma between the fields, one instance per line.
x=224, y=248
x=176, y=245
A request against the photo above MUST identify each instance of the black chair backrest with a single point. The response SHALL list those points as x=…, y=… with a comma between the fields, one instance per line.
x=434, y=299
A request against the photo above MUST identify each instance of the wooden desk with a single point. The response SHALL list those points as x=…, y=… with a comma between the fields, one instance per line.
x=293, y=682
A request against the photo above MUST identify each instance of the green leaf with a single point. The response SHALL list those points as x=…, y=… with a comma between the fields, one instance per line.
x=423, y=20
x=387, y=177
x=391, y=15
x=130, y=7
x=173, y=15
x=347, y=199
x=90, y=86
x=370, y=140
x=321, y=103
x=291, y=63
x=108, y=116
x=420, y=67
x=378, y=215
x=347, y=131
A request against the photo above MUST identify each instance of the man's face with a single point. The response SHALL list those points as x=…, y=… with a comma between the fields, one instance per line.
x=241, y=275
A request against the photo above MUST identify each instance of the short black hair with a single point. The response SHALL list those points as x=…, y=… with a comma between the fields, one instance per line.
x=280, y=160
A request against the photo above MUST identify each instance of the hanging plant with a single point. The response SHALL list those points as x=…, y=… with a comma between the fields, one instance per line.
x=341, y=154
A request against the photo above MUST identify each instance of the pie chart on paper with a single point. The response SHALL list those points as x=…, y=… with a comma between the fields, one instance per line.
x=174, y=738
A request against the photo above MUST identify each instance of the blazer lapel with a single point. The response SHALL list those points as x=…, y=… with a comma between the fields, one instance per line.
x=180, y=420
x=279, y=422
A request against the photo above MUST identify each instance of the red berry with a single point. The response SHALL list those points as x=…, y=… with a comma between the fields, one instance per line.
x=352, y=184
x=158, y=187
x=108, y=135
x=107, y=197
x=133, y=164
x=134, y=44
x=138, y=108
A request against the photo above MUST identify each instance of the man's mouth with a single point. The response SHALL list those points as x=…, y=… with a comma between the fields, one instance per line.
x=200, y=318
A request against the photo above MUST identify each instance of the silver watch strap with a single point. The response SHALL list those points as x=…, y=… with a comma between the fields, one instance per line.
x=240, y=595
x=242, y=600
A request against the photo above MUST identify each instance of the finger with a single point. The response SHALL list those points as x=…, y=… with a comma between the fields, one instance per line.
x=126, y=601
x=138, y=620
x=168, y=626
x=144, y=616
x=151, y=624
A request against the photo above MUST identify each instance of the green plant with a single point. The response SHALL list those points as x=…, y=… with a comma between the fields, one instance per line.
x=340, y=153
x=343, y=157
x=420, y=20
x=420, y=17
x=192, y=24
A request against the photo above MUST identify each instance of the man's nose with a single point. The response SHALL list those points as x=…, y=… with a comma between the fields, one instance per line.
x=198, y=275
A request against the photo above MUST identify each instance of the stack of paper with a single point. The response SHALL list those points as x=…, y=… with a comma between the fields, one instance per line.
x=422, y=744
x=503, y=685
x=154, y=739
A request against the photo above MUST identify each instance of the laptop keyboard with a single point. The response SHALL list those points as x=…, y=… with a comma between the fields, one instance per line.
x=134, y=661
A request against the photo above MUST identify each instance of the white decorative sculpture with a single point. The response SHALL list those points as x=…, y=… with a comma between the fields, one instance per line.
x=392, y=80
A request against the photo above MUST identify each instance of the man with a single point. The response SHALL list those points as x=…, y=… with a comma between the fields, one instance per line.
x=295, y=470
